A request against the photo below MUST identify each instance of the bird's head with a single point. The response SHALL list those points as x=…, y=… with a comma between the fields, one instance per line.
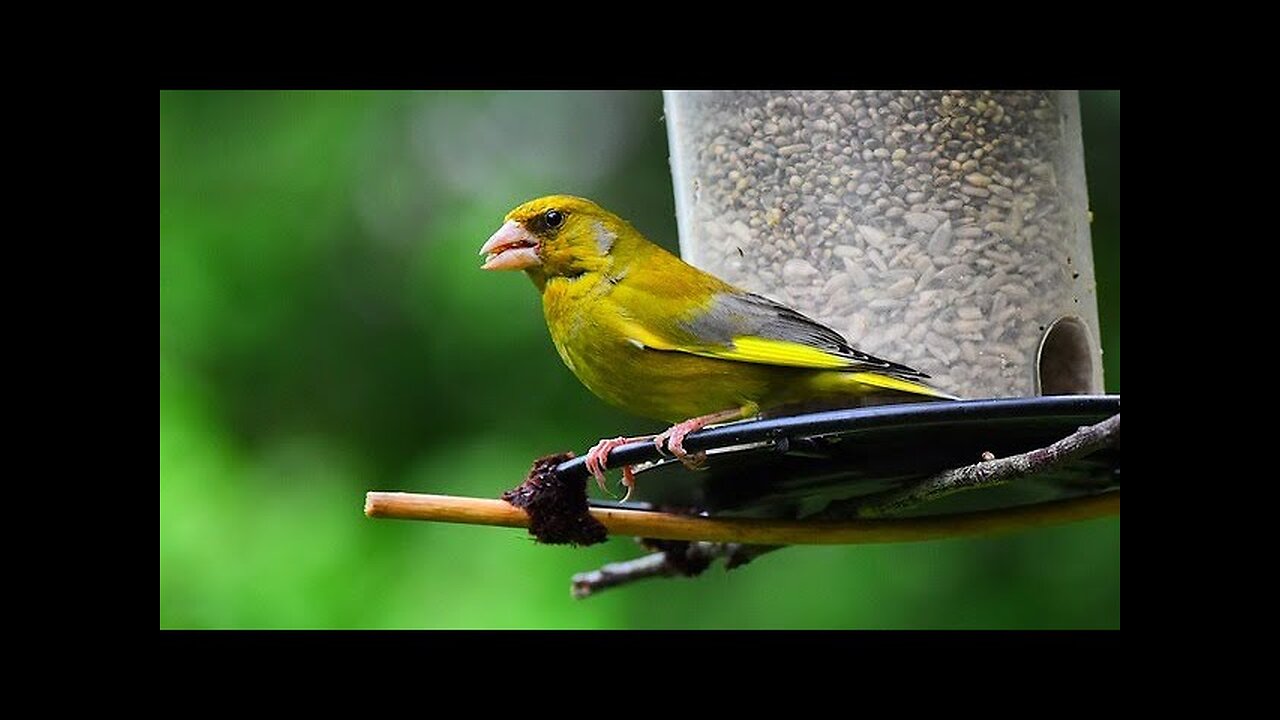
x=555, y=236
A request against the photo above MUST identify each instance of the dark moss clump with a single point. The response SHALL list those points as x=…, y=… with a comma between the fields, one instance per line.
x=557, y=508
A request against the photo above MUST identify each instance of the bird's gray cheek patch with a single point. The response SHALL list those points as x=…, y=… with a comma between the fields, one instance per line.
x=604, y=238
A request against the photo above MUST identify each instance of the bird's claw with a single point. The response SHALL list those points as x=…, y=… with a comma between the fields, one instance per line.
x=671, y=441
x=628, y=481
x=598, y=461
x=660, y=442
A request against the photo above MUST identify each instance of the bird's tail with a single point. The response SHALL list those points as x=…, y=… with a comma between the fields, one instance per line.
x=888, y=382
x=832, y=389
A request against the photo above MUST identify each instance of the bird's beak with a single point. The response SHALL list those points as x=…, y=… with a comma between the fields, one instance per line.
x=511, y=248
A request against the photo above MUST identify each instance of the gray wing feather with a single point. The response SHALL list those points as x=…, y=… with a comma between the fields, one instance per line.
x=734, y=315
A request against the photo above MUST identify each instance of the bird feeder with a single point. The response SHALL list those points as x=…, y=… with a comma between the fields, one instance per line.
x=947, y=230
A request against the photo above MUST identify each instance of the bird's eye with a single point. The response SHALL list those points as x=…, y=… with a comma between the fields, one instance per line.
x=554, y=218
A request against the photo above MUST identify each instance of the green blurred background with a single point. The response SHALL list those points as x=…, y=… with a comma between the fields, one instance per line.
x=324, y=330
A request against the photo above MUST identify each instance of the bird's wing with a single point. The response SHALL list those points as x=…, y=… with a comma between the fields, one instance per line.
x=749, y=328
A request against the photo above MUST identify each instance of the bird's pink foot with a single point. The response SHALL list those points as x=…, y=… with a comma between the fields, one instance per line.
x=597, y=462
x=674, y=436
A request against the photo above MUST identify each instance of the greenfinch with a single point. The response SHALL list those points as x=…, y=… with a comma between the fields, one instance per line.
x=660, y=338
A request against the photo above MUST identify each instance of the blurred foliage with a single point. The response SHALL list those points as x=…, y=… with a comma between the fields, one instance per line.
x=324, y=331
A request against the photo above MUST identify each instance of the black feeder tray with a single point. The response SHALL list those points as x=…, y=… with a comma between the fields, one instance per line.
x=793, y=466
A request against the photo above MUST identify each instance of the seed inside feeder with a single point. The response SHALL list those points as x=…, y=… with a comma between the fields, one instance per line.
x=883, y=212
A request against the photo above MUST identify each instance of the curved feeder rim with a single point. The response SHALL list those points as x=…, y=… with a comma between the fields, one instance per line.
x=791, y=466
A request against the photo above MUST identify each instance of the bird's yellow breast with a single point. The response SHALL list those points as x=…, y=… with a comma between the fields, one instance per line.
x=598, y=341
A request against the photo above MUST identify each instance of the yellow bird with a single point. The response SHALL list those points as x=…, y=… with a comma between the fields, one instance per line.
x=662, y=339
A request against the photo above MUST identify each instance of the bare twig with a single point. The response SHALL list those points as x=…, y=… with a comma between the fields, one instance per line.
x=620, y=573
x=985, y=474
x=697, y=555
x=988, y=473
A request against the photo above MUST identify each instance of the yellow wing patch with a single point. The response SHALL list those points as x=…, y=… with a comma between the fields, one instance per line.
x=752, y=349
x=781, y=352
x=774, y=352
x=744, y=349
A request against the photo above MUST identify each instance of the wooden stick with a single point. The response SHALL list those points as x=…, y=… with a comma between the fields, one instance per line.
x=667, y=526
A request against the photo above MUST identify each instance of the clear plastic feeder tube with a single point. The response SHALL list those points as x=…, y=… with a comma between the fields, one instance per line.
x=947, y=230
